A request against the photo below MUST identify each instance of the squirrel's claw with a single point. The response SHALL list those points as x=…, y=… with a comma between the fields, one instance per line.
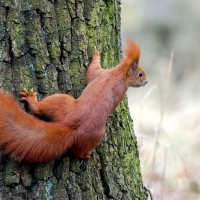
x=27, y=94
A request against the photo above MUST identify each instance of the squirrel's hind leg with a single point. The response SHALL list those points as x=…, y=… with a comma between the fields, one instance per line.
x=31, y=99
x=81, y=154
x=54, y=107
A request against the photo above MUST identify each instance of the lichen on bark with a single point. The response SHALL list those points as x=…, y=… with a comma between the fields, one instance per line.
x=47, y=45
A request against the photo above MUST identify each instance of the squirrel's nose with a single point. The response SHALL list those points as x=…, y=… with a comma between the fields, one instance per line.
x=144, y=82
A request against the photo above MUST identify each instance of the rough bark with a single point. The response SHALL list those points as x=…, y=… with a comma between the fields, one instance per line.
x=47, y=45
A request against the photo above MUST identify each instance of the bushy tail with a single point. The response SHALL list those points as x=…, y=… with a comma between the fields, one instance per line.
x=28, y=138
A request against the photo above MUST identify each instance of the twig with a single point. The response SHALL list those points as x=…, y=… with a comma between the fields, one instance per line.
x=148, y=192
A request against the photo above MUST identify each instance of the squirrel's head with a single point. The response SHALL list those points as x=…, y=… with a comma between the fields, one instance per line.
x=136, y=76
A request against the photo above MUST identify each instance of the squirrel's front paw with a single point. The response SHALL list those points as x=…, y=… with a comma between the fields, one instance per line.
x=27, y=95
x=96, y=52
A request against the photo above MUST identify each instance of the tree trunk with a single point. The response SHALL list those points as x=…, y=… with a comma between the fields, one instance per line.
x=47, y=45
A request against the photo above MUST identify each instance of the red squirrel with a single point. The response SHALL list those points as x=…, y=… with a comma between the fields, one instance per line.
x=76, y=125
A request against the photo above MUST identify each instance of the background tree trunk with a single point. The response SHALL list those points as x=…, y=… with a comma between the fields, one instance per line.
x=47, y=45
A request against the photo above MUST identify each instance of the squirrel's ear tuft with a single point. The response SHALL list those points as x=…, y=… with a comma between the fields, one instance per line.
x=132, y=51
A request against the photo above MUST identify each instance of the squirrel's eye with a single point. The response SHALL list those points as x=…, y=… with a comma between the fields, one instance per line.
x=140, y=74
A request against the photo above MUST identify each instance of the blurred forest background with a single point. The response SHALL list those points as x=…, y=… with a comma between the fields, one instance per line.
x=166, y=112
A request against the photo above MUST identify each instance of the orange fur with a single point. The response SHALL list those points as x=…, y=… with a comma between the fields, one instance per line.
x=77, y=125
